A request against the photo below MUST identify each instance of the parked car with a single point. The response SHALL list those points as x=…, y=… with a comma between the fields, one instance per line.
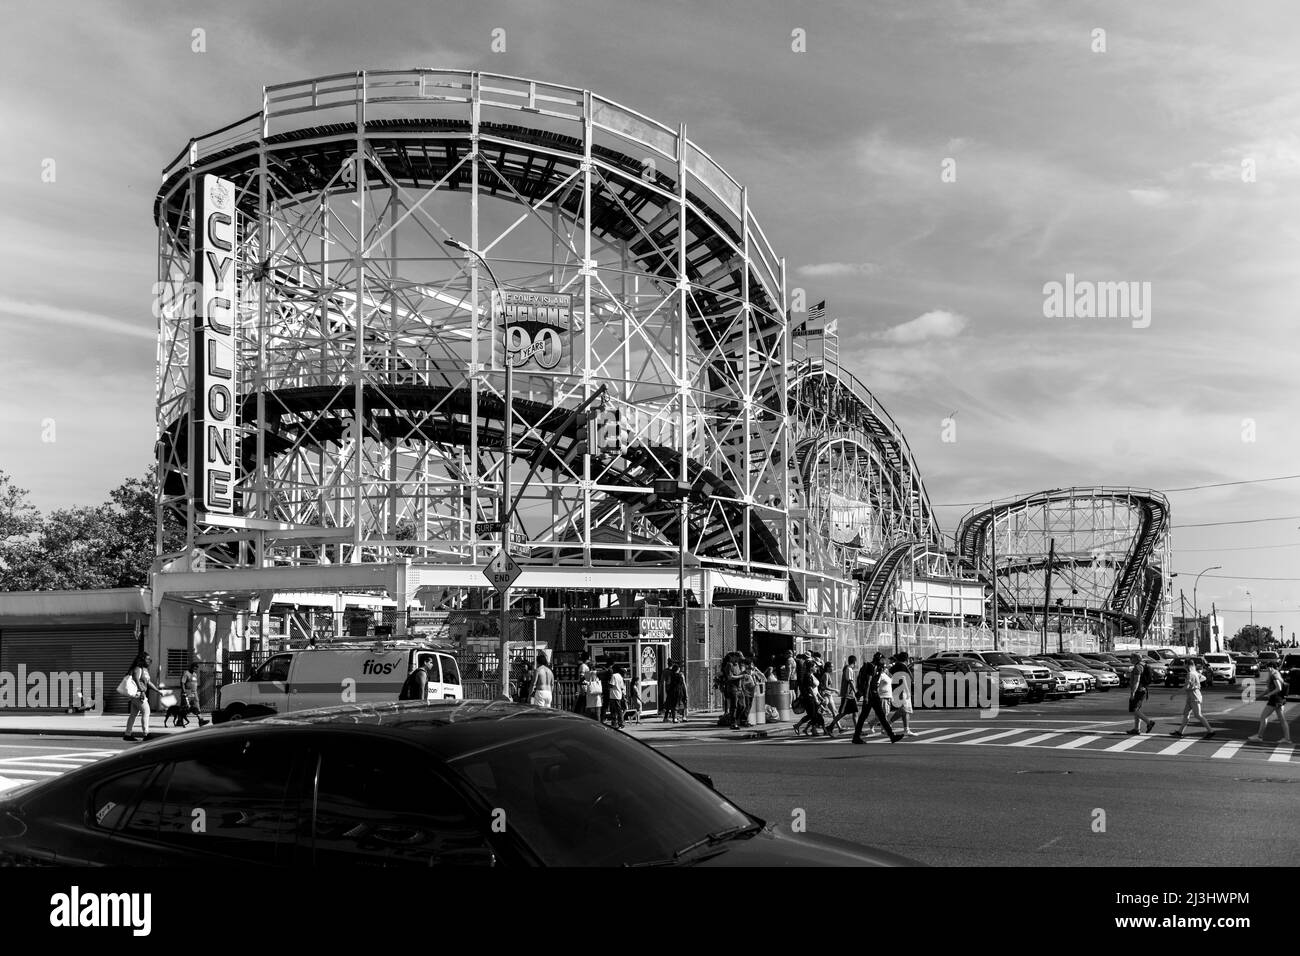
x=1221, y=668
x=1014, y=687
x=1038, y=682
x=1176, y=676
x=954, y=682
x=411, y=784
x=1103, y=675
x=1069, y=683
x=1121, y=667
x=1072, y=683
x=1290, y=670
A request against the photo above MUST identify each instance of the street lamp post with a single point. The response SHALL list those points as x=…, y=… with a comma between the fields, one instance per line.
x=1196, y=608
x=507, y=451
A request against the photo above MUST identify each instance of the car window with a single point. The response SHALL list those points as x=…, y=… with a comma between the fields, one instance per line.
x=450, y=672
x=581, y=796
x=382, y=804
x=111, y=800
x=229, y=801
x=275, y=669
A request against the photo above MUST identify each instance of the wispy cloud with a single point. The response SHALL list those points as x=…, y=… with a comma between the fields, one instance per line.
x=938, y=324
x=18, y=310
x=824, y=270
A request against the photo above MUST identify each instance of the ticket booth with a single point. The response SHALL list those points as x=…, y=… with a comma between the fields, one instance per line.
x=642, y=651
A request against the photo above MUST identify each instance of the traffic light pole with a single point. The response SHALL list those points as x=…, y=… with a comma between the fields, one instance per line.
x=506, y=510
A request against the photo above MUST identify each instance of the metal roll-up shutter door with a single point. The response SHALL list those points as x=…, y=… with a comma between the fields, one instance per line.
x=103, y=651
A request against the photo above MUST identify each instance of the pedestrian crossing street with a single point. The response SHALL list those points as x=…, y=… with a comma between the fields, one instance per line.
x=15, y=771
x=1154, y=744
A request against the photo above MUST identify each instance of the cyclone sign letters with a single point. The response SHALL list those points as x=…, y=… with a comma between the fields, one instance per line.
x=537, y=327
x=216, y=442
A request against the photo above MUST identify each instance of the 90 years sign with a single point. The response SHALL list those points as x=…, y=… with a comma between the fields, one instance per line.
x=537, y=327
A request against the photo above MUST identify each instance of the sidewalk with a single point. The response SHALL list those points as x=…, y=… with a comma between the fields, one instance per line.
x=85, y=725
x=702, y=726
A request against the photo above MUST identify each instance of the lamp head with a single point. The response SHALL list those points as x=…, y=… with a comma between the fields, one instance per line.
x=456, y=244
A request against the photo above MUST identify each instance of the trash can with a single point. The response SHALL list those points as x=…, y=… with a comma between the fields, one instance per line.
x=778, y=696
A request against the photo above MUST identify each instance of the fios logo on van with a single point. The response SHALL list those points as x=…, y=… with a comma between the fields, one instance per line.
x=373, y=666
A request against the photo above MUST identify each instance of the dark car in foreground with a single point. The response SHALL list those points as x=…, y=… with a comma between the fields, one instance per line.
x=1247, y=665
x=413, y=784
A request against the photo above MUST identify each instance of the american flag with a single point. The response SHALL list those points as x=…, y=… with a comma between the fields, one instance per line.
x=816, y=314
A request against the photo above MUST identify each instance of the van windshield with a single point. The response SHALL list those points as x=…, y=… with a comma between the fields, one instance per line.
x=277, y=668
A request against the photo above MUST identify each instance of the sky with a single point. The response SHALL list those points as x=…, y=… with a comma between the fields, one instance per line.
x=927, y=168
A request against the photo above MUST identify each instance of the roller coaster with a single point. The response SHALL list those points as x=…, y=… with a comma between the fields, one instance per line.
x=380, y=220
x=1086, y=555
x=370, y=374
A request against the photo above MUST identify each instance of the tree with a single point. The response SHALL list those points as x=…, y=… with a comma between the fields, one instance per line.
x=87, y=548
x=1251, y=639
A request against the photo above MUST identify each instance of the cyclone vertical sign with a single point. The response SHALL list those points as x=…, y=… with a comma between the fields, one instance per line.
x=216, y=442
x=536, y=326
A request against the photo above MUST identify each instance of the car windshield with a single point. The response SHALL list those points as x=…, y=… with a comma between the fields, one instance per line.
x=998, y=658
x=1245, y=659
x=581, y=795
x=1217, y=658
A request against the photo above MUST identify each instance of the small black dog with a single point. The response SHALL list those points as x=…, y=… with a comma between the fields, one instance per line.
x=178, y=714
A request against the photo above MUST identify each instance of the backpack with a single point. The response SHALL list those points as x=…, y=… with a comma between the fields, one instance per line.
x=1144, y=679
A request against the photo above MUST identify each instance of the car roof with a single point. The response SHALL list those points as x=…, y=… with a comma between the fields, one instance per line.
x=446, y=728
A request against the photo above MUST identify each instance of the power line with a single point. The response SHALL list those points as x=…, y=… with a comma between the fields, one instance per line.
x=1249, y=547
x=1225, y=484
x=1215, y=524
x=1237, y=577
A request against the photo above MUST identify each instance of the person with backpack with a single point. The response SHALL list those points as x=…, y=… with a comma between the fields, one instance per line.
x=1138, y=682
x=1274, y=701
x=877, y=692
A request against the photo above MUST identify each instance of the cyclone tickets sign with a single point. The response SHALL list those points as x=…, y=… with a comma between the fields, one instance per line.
x=537, y=327
x=216, y=441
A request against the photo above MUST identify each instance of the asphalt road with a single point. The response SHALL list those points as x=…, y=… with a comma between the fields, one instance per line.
x=951, y=803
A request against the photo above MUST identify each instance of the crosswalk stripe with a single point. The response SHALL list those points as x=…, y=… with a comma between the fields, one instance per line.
x=1039, y=739
x=960, y=733
x=984, y=740
x=1070, y=745
x=1228, y=750
x=1177, y=747
x=1124, y=744
x=1281, y=755
x=54, y=764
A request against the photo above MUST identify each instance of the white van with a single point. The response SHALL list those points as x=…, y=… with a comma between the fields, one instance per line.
x=325, y=676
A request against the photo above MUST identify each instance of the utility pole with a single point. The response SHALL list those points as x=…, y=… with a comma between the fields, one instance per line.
x=993, y=560
x=1182, y=606
x=1047, y=591
x=1214, y=626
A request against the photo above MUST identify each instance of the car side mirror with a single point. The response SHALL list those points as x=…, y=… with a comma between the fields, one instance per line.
x=705, y=779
